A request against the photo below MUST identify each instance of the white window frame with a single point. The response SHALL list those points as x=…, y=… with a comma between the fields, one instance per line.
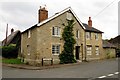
x=56, y=31
x=69, y=16
x=29, y=34
x=96, y=36
x=88, y=35
x=97, y=50
x=89, y=50
x=55, y=49
x=77, y=34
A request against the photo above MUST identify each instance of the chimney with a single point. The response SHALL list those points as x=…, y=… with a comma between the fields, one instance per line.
x=12, y=30
x=42, y=14
x=90, y=22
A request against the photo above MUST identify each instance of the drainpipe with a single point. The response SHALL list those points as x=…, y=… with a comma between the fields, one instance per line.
x=85, y=48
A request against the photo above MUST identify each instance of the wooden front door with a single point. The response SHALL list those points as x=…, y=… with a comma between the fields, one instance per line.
x=77, y=52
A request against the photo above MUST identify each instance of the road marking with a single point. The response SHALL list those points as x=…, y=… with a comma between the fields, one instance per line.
x=110, y=74
x=116, y=73
x=102, y=77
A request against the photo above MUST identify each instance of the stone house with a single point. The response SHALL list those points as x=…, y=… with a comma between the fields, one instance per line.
x=44, y=40
x=93, y=42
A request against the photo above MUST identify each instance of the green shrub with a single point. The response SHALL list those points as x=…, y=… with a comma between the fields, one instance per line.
x=10, y=51
x=67, y=55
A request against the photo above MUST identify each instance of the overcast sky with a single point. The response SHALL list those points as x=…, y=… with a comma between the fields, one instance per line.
x=22, y=14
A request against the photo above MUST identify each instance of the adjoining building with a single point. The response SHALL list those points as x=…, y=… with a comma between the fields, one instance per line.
x=109, y=49
x=14, y=39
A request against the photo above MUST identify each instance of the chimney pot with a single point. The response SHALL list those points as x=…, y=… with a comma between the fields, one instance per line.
x=43, y=14
x=12, y=30
x=90, y=22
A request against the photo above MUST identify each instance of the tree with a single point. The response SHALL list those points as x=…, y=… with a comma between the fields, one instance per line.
x=67, y=55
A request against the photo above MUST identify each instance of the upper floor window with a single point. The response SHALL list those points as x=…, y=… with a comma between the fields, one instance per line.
x=88, y=35
x=89, y=50
x=69, y=16
x=77, y=34
x=55, y=49
x=97, y=50
x=96, y=36
x=56, y=31
x=29, y=34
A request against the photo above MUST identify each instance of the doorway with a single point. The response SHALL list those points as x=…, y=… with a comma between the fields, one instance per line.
x=77, y=52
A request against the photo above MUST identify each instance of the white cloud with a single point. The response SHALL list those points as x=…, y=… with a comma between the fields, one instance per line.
x=22, y=14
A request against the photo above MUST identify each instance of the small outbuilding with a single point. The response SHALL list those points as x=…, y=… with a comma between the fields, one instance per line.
x=109, y=49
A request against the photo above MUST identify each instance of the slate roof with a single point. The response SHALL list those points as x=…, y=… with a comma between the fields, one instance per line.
x=10, y=37
x=91, y=29
x=115, y=40
x=106, y=44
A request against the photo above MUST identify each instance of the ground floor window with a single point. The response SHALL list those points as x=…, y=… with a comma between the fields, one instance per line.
x=97, y=50
x=89, y=50
x=55, y=49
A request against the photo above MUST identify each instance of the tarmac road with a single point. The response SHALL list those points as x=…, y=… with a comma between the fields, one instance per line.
x=91, y=70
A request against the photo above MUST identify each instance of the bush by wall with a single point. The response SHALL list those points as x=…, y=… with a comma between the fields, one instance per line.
x=67, y=55
x=10, y=51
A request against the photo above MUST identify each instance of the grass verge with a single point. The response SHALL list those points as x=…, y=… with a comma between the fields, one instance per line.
x=11, y=61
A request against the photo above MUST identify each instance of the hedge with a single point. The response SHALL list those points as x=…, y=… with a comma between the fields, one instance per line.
x=10, y=51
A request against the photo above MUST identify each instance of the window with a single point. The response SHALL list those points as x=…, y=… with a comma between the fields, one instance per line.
x=96, y=36
x=69, y=16
x=77, y=34
x=97, y=50
x=56, y=31
x=55, y=49
x=89, y=50
x=28, y=33
x=88, y=35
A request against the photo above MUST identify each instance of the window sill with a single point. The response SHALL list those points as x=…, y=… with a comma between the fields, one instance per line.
x=55, y=54
x=89, y=54
x=97, y=54
x=56, y=36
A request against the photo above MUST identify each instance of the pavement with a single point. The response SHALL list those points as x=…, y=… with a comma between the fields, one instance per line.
x=29, y=67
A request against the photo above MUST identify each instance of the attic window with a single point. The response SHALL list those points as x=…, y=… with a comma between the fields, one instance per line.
x=29, y=34
x=69, y=16
x=77, y=34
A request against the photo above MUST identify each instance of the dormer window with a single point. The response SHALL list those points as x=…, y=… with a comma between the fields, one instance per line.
x=69, y=16
x=56, y=31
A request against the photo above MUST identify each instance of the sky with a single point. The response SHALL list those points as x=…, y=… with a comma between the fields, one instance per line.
x=22, y=14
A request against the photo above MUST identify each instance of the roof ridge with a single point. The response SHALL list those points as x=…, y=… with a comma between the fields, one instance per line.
x=61, y=12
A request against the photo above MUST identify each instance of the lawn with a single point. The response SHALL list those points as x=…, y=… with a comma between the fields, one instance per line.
x=11, y=61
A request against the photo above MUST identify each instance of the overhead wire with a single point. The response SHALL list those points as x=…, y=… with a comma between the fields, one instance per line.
x=104, y=8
